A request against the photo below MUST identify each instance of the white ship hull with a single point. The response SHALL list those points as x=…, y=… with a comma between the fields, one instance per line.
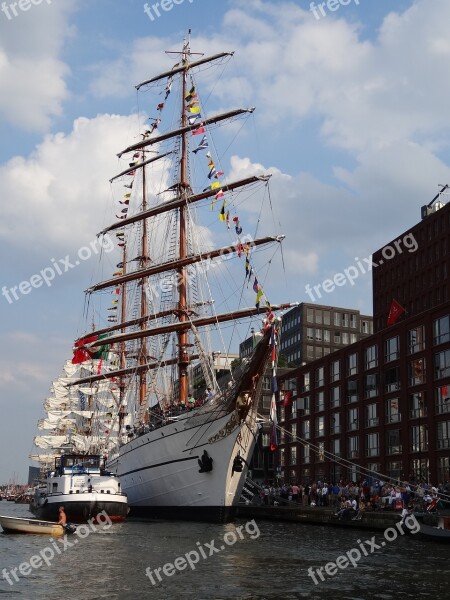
x=160, y=474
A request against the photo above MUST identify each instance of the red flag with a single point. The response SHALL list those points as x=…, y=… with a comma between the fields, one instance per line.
x=395, y=312
x=198, y=131
x=287, y=398
x=81, y=355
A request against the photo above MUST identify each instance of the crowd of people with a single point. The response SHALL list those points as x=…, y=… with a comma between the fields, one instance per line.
x=350, y=498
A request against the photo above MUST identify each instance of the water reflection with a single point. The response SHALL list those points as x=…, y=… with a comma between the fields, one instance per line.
x=111, y=564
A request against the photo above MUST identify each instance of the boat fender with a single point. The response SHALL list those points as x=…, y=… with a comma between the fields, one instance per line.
x=205, y=463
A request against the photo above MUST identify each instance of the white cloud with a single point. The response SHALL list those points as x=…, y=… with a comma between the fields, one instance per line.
x=58, y=195
x=32, y=77
x=366, y=94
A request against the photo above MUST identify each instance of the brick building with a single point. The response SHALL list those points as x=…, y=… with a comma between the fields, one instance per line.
x=383, y=402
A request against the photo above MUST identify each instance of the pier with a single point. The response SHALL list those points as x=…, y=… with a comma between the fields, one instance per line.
x=318, y=516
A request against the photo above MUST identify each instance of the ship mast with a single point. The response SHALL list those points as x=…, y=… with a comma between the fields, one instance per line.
x=185, y=190
x=122, y=346
x=185, y=316
x=143, y=348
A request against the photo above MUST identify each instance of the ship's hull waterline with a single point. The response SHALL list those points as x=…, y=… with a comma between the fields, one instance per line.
x=83, y=507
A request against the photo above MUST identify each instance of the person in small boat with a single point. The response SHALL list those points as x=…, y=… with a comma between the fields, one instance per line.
x=62, y=516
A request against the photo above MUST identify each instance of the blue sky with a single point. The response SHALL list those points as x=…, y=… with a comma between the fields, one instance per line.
x=352, y=120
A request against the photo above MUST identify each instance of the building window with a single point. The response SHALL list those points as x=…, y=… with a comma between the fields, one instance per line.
x=416, y=339
x=321, y=455
x=373, y=468
x=320, y=378
x=309, y=333
x=352, y=390
x=371, y=385
x=417, y=407
x=345, y=320
x=335, y=396
x=319, y=317
x=392, y=411
x=371, y=357
x=395, y=469
x=442, y=400
x=318, y=335
x=326, y=317
x=337, y=337
x=306, y=454
x=392, y=380
x=293, y=455
x=294, y=409
x=304, y=405
x=443, y=434
x=320, y=426
x=393, y=444
x=310, y=352
x=373, y=444
x=416, y=374
x=365, y=327
x=442, y=364
x=335, y=424
x=353, y=419
x=310, y=315
x=335, y=447
x=320, y=401
x=372, y=415
x=326, y=336
x=352, y=364
x=391, y=349
x=353, y=338
x=305, y=430
x=294, y=432
x=335, y=370
x=353, y=321
x=345, y=338
x=441, y=330
x=353, y=446
x=337, y=319
x=419, y=438
x=305, y=382
x=443, y=468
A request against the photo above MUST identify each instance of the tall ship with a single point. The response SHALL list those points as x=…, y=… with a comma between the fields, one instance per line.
x=79, y=428
x=186, y=269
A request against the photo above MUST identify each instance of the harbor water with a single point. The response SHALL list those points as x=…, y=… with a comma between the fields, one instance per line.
x=241, y=560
